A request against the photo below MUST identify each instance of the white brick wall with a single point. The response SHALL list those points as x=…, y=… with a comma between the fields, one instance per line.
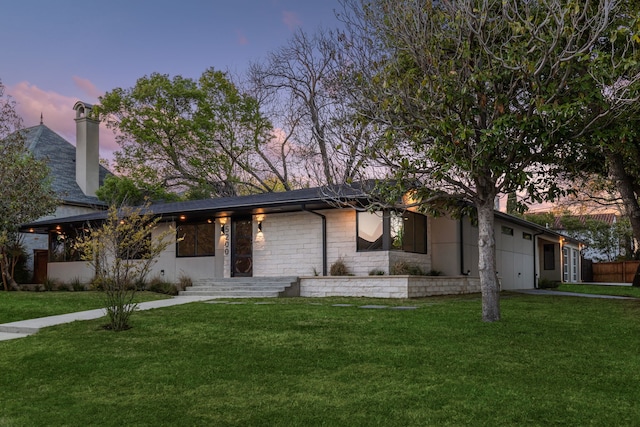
x=387, y=286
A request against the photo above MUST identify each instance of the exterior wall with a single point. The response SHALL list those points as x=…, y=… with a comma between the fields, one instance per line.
x=65, y=272
x=171, y=268
x=514, y=253
x=34, y=241
x=444, y=235
x=387, y=286
x=342, y=238
x=289, y=245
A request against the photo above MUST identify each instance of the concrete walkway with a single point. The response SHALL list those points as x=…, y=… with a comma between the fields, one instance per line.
x=568, y=294
x=24, y=328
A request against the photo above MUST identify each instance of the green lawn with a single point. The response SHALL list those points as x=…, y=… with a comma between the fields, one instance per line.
x=302, y=362
x=16, y=306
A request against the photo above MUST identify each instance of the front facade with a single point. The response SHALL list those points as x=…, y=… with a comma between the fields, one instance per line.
x=301, y=234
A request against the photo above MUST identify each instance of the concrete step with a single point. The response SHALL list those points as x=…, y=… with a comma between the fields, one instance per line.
x=233, y=294
x=239, y=287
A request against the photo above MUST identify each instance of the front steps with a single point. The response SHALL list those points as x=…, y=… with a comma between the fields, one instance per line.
x=245, y=287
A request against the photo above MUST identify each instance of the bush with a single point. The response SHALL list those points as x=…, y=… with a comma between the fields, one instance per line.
x=339, y=268
x=433, y=272
x=77, y=285
x=547, y=283
x=184, y=282
x=403, y=268
x=49, y=284
x=376, y=272
x=159, y=286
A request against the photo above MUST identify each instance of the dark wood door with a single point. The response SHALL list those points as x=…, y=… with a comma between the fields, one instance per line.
x=40, y=260
x=242, y=248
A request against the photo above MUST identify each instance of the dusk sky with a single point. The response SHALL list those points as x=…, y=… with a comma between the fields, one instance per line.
x=56, y=52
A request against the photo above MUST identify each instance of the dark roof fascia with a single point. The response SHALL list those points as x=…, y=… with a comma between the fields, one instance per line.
x=290, y=201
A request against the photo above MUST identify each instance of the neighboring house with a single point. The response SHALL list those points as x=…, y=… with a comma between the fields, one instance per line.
x=604, y=234
x=302, y=233
x=75, y=176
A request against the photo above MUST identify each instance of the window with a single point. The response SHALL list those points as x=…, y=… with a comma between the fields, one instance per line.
x=61, y=246
x=507, y=230
x=527, y=236
x=405, y=231
x=414, y=236
x=197, y=240
x=549, y=256
x=370, y=225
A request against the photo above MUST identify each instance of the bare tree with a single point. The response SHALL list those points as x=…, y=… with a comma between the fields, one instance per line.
x=302, y=85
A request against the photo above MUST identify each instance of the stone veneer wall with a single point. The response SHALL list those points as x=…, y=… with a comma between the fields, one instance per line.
x=387, y=286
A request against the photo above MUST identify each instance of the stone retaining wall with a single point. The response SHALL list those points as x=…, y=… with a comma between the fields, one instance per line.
x=387, y=286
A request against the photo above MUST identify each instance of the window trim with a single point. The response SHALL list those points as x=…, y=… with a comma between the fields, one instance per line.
x=386, y=231
x=195, y=226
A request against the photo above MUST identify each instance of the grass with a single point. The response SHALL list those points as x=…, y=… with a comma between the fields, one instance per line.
x=300, y=362
x=16, y=306
x=625, y=291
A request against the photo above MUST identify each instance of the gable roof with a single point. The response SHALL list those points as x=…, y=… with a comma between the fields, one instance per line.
x=60, y=156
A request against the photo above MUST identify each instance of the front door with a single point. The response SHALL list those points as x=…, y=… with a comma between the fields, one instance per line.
x=242, y=248
x=40, y=260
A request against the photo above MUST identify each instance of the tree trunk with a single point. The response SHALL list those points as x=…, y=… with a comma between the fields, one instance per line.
x=487, y=263
x=625, y=185
x=7, y=279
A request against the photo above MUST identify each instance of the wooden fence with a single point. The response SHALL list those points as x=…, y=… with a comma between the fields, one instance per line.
x=615, y=272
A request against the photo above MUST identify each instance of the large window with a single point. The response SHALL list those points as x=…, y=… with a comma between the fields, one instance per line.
x=370, y=231
x=549, y=256
x=406, y=231
x=61, y=246
x=196, y=240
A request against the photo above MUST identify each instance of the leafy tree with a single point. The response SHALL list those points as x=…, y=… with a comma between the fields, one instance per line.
x=25, y=187
x=124, y=191
x=122, y=251
x=204, y=137
x=476, y=99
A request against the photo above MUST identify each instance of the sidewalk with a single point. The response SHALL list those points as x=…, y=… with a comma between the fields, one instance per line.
x=568, y=294
x=24, y=328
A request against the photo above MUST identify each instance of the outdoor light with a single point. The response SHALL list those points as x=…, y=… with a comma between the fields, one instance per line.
x=222, y=229
x=183, y=217
x=260, y=227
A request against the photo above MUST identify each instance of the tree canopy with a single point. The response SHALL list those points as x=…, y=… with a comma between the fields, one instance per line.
x=21, y=200
x=476, y=98
x=203, y=136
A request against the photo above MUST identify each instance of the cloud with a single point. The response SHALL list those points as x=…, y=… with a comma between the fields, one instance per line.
x=57, y=112
x=291, y=20
x=88, y=88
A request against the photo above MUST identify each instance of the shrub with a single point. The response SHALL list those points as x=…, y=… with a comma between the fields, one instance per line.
x=77, y=285
x=403, y=268
x=547, y=283
x=339, y=268
x=161, y=287
x=433, y=272
x=49, y=284
x=376, y=272
x=184, y=282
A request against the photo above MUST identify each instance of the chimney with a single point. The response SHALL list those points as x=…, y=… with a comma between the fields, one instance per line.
x=87, y=149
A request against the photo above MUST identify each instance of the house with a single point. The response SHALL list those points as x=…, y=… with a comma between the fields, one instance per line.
x=75, y=174
x=604, y=233
x=302, y=233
